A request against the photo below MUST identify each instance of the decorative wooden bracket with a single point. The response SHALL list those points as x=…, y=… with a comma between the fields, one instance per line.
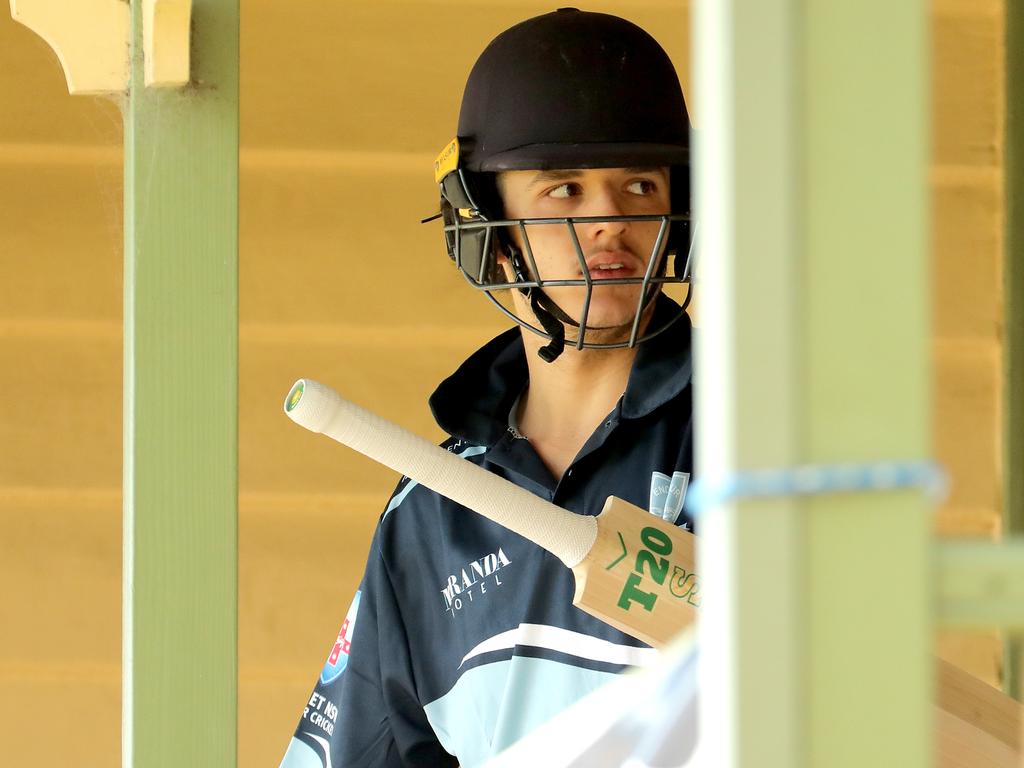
x=91, y=40
x=166, y=25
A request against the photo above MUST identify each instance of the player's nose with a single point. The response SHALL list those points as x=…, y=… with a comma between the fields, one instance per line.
x=606, y=204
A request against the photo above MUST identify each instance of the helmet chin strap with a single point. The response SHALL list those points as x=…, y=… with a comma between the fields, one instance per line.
x=550, y=351
x=550, y=315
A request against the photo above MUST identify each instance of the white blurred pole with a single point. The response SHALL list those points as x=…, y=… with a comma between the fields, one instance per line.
x=811, y=183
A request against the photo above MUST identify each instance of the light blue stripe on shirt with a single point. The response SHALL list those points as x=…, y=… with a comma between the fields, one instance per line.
x=494, y=705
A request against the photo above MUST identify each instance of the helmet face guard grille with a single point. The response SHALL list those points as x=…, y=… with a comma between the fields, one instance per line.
x=473, y=243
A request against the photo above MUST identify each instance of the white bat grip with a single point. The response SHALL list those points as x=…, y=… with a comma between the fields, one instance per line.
x=320, y=409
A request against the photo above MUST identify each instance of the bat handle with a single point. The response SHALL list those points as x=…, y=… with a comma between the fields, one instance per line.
x=319, y=408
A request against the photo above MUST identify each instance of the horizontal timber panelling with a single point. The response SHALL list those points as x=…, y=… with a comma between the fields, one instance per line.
x=270, y=708
x=348, y=248
x=397, y=84
x=300, y=564
x=276, y=455
x=976, y=522
x=967, y=433
x=967, y=256
x=61, y=722
x=36, y=107
x=975, y=8
x=297, y=576
x=60, y=565
x=967, y=94
x=60, y=241
x=67, y=428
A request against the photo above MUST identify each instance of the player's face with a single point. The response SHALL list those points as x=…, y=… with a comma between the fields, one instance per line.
x=612, y=249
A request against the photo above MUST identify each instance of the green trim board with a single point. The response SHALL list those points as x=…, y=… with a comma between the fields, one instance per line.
x=980, y=584
x=1013, y=288
x=180, y=405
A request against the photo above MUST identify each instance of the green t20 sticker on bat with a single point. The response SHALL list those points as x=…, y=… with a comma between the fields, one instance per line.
x=682, y=585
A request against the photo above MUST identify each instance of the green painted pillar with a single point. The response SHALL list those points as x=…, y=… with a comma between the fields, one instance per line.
x=180, y=404
x=813, y=349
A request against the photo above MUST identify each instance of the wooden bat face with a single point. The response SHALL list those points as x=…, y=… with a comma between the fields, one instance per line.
x=640, y=575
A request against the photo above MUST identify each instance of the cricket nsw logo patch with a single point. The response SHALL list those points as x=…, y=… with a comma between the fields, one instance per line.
x=338, y=659
x=668, y=495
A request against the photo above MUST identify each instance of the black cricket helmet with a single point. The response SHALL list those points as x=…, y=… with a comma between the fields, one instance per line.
x=566, y=90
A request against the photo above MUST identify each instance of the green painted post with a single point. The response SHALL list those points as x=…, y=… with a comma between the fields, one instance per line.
x=180, y=405
x=1013, y=426
x=867, y=377
x=980, y=584
x=812, y=179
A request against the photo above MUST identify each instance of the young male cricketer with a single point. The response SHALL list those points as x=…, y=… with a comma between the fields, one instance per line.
x=463, y=637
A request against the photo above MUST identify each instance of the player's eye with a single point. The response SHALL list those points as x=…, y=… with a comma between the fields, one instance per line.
x=641, y=187
x=564, y=191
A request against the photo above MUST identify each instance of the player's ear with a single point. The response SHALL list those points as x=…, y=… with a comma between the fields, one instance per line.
x=503, y=261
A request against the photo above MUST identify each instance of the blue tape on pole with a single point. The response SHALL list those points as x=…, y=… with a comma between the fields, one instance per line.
x=818, y=479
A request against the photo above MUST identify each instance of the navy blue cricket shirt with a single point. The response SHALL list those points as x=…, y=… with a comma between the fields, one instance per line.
x=463, y=636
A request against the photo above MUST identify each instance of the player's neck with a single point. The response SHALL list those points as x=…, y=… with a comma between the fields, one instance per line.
x=568, y=399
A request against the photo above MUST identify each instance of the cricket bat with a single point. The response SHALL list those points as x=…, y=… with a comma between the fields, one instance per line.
x=633, y=571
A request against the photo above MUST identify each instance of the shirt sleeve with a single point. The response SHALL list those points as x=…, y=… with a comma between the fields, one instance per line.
x=363, y=711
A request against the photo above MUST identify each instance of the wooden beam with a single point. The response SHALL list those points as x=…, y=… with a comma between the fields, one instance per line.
x=180, y=405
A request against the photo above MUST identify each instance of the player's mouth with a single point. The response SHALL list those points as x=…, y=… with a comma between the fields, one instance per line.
x=607, y=265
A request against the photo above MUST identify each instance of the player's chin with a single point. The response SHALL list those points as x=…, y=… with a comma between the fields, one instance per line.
x=609, y=307
x=607, y=327
x=612, y=322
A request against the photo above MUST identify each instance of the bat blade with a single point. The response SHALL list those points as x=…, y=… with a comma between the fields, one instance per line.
x=640, y=575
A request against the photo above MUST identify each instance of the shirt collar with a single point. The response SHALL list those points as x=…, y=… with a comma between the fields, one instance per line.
x=473, y=403
x=663, y=366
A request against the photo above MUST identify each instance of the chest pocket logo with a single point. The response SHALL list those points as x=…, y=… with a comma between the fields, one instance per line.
x=668, y=494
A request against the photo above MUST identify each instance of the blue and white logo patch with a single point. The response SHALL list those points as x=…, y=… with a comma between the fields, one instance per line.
x=668, y=495
x=338, y=659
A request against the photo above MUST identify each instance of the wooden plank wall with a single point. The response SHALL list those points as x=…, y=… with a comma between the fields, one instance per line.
x=60, y=432
x=967, y=240
x=343, y=111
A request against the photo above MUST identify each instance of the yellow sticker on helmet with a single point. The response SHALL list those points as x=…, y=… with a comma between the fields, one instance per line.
x=447, y=161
